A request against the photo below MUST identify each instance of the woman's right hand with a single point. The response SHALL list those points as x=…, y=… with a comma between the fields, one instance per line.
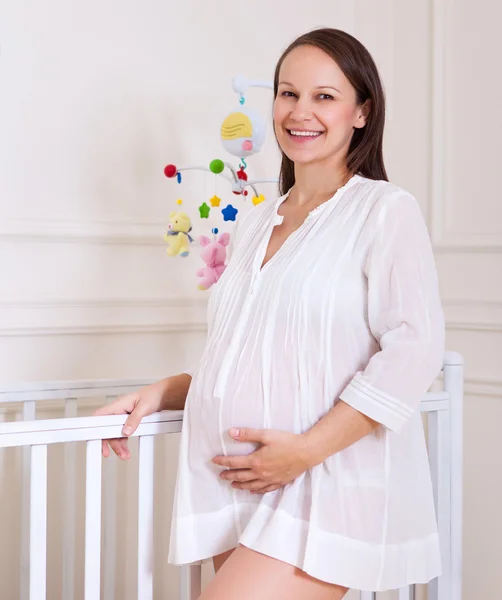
x=137, y=405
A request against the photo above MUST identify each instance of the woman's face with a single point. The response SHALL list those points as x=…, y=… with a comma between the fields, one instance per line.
x=315, y=110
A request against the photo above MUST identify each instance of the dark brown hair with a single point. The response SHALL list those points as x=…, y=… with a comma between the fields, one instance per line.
x=365, y=155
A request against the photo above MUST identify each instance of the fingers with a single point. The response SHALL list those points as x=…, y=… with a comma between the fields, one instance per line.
x=256, y=486
x=121, y=406
x=252, y=486
x=267, y=489
x=119, y=446
x=133, y=420
x=239, y=475
x=246, y=434
x=105, y=449
x=234, y=462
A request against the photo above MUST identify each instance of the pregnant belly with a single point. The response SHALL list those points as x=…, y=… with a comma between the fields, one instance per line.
x=209, y=422
x=245, y=412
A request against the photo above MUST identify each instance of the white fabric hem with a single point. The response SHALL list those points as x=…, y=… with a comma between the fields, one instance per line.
x=325, y=556
x=389, y=411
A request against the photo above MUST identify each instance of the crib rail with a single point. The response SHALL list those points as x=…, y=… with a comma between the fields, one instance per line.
x=53, y=431
x=37, y=435
x=64, y=390
x=445, y=423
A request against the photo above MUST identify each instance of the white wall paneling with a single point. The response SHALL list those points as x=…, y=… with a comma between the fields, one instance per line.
x=466, y=208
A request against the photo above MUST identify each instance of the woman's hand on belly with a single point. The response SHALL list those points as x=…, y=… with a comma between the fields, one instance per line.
x=281, y=458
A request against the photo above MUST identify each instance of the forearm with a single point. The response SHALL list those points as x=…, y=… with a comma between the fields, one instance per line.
x=174, y=391
x=341, y=427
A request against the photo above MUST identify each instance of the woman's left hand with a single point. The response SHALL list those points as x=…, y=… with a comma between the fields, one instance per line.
x=282, y=457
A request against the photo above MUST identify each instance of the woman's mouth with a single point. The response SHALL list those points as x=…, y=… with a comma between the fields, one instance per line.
x=303, y=135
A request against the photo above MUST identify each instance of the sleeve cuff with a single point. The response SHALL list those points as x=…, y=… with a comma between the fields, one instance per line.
x=376, y=404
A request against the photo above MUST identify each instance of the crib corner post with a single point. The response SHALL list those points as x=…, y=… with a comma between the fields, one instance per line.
x=454, y=384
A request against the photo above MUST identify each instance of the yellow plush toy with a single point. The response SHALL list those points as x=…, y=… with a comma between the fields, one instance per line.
x=177, y=236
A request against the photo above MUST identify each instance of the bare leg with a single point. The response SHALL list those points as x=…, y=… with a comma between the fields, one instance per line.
x=219, y=560
x=248, y=575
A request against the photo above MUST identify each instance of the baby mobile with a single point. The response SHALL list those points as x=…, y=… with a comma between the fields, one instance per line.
x=242, y=134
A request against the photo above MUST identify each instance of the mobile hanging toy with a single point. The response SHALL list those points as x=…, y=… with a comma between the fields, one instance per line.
x=214, y=255
x=242, y=134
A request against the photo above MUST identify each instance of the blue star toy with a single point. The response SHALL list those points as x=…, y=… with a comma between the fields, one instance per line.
x=229, y=213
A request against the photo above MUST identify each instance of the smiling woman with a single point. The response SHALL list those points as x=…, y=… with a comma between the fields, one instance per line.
x=303, y=469
x=305, y=111
x=329, y=85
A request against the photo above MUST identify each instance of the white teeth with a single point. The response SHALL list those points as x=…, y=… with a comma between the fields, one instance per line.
x=305, y=133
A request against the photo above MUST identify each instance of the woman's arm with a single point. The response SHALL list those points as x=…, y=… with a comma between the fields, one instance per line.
x=174, y=391
x=405, y=317
x=341, y=427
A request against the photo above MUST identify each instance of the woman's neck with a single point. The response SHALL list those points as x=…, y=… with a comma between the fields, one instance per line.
x=315, y=184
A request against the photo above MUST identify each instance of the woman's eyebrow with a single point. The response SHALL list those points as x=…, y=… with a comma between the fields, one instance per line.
x=330, y=87
x=318, y=87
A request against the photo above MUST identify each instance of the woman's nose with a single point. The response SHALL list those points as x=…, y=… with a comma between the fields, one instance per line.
x=302, y=111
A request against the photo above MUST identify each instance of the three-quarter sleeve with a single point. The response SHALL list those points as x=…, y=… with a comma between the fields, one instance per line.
x=404, y=315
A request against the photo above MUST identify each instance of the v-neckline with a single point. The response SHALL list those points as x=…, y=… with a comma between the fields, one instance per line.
x=279, y=219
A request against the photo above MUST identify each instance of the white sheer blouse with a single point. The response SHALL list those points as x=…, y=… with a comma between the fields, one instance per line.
x=347, y=309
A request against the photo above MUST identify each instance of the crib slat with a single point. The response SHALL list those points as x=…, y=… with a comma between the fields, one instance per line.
x=29, y=414
x=190, y=582
x=439, y=456
x=93, y=521
x=38, y=523
x=407, y=593
x=454, y=385
x=69, y=506
x=368, y=595
x=110, y=523
x=145, y=517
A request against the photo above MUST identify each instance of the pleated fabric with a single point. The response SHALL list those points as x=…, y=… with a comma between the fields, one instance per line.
x=348, y=310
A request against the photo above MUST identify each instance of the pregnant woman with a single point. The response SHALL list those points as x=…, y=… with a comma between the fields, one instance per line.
x=303, y=468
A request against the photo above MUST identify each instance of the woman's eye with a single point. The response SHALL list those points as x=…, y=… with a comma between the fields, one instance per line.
x=325, y=97
x=288, y=94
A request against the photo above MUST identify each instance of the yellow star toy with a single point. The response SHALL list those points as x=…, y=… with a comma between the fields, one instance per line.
x=258, y=199
x=215, y=201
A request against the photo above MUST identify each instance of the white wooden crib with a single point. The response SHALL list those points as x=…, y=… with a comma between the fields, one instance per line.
x=444, y=420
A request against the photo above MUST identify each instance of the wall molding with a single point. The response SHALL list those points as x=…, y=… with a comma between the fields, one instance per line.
x=483, y=387
x=450, y=248
x=135, y=316
x=99, y=317
x=473, y=315
x=96, y=232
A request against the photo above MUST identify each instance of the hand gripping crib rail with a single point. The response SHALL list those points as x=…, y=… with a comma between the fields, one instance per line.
x=445, y=424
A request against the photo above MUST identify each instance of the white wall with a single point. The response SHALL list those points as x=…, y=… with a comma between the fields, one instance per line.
x=97, y=96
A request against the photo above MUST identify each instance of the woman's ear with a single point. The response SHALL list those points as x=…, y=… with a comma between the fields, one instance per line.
x=363, y=114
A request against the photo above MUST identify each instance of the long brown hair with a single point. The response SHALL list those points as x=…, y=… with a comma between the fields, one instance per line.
x=365, y=155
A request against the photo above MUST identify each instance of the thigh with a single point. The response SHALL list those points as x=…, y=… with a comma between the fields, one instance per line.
x=248, y=575
x=220, y=559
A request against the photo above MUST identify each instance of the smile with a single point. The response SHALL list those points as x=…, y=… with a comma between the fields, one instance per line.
x=304, y=134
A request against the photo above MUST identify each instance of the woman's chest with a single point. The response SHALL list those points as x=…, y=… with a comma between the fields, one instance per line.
x=292, y=222
x=293, y=276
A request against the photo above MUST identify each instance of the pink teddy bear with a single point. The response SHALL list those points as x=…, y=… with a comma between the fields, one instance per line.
x=214, y=254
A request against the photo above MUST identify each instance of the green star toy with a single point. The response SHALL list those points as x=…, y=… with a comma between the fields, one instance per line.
x=204, y=211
